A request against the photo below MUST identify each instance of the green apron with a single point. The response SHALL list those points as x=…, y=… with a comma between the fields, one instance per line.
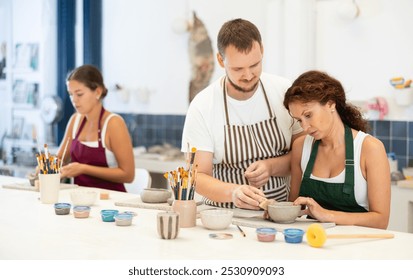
x=333, y=196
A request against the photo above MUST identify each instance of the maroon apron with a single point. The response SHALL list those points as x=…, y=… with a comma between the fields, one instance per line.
x=92, y=156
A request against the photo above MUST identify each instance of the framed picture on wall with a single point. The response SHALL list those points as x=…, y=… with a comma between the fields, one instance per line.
x=17, y=128
x=26, y=56
x=25, y=93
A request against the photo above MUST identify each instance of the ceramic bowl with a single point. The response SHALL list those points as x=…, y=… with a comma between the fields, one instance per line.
x=284, y=212
x=62, y=208
x=293, y=235
x=123, y=219
x=108, y=215
x=216, y=219
x=266, y=234
x=155, y=195
x=81, y=211
x=83, y=197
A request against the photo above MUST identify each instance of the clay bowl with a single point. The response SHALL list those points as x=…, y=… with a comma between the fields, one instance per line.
x=283, y=212
x=216, y=219
x=83, y=197
x=154, y=195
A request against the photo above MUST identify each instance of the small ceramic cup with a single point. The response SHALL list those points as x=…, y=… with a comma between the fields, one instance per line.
x=108, y=215
x=168, y=224
x=62, y=208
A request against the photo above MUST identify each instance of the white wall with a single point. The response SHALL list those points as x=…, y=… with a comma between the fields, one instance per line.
x=141, y=51
x=366, y=52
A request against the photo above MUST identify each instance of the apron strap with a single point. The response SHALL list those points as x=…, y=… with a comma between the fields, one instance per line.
x=102, y=111
x=99, y=130
x=226, y=106
x=349, y=161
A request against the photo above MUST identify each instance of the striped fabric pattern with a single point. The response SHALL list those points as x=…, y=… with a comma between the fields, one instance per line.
x=245, y=144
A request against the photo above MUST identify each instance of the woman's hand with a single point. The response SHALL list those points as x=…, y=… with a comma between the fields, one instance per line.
x=247, y=197
x=71, y=170
x=313, y=209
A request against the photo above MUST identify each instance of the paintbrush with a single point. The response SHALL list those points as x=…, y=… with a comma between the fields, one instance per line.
x=64, y=153
x=240, y=230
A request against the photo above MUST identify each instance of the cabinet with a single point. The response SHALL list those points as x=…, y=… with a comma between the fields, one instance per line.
x=401, y=210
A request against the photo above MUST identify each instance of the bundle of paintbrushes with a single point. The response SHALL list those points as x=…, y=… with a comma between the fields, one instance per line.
x=47, y=163
x=183, y=181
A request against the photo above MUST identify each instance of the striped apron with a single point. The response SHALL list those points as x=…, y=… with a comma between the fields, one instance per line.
x=245, y=144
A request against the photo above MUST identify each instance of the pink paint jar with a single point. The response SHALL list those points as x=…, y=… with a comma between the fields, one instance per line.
x=81, y=211
x=266, y=234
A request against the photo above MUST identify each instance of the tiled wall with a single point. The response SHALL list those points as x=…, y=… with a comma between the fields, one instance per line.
x=149, y=130
x=397, y=137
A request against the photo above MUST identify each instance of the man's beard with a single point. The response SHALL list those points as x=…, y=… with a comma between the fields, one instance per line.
x=240, y=88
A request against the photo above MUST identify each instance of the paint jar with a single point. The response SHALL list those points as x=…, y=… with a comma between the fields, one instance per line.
x=81, y=211
x=123, y=219
x=187, y=212
x=293, y=235
x=108, y=215
x=62, y=208
x=266, y=234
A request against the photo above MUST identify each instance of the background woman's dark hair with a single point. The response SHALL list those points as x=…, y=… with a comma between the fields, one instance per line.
x=320, y=87
x=90, y=76
x=240, y=33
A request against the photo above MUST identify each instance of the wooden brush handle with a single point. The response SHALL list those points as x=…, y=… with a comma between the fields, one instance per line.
x=371, y=235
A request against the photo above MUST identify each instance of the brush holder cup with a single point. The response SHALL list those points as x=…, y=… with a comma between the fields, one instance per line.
x=403, y=96
x=187, y=212
x=49, y=188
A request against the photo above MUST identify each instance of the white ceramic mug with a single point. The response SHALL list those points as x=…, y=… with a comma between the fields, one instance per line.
x=49, y=188
x=168, y=224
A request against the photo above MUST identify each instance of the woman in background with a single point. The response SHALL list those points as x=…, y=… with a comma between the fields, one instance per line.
x=340, y=173
x=101, y=152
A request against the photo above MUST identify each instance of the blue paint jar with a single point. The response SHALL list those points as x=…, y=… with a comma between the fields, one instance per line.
x=293, y=235
x=62, y=208
x=108, y=215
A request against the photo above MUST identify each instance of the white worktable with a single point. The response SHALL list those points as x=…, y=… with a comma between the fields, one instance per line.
x=31, y=230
